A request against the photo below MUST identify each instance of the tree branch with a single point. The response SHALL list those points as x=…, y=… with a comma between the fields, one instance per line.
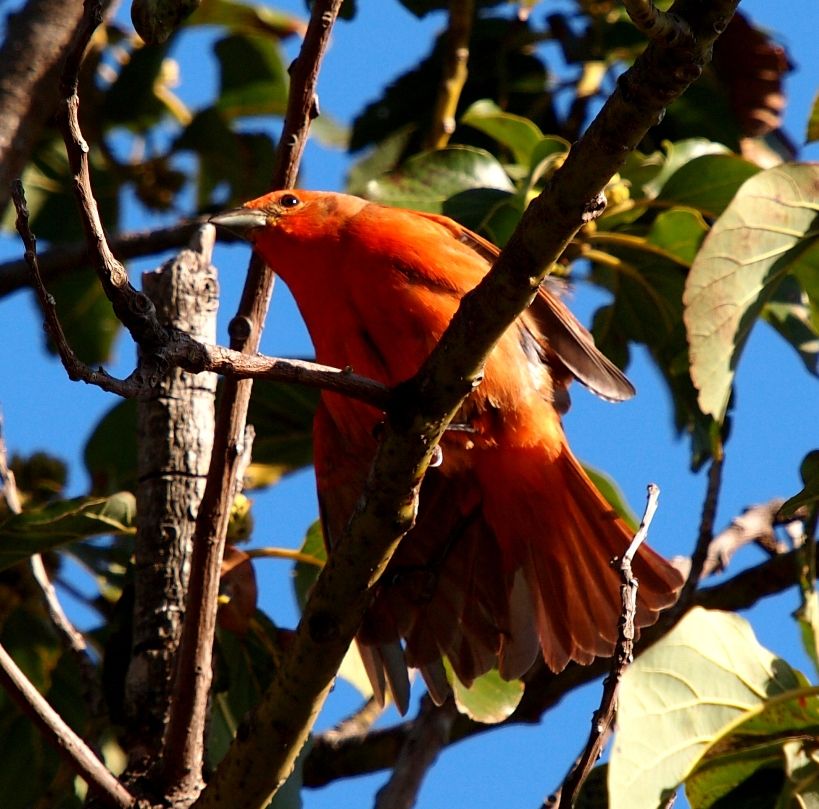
x=332, y=758
x=29, y=68
x=183, y=749
x=454, y=72
x=267, y=744
x=70, y=746
x=429, y=735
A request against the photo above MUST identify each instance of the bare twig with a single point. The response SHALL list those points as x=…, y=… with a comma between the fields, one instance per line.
x=705, y=534
x=73, y=749
x=428, y=736
x=180, y=350
x=8, y=483
x=623, y=655
x=454, y=73
x=185, y=734
x=71, y=637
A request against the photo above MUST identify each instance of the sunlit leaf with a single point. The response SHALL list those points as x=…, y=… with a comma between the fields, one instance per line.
x=516, y=133
x=749, y=250
x=247, y=18
x=611, y=491
x=813, y=122
x=681, y=697
x=490, y=699
x=677, y=155
x=426, y=181
x=65, y=521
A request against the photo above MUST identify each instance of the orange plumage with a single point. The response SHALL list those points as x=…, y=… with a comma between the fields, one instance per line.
x=510, y=554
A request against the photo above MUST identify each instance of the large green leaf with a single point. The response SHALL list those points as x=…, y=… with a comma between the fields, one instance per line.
x=66, y=521
x=751, y=247
x=110, y=454
x=707, y=689
x=708, y=183
x=426, y=181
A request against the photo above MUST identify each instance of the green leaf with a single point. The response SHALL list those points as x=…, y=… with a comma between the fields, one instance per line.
x=131, y=100
x=66, y=521
x=110, y=454
x=611, y=491
x=282, y=416
x=794, y=319
x=490, y=699
x=676, y=155
x=708, y=183
x=750, y=248
x=248, y=170
x=809, y=496
x=707, y=688
x=486, y=210
x=244, y=18
x=812, y=133
x=253, y=78
x=427, y=180
x=86, y=315
x=516, y=133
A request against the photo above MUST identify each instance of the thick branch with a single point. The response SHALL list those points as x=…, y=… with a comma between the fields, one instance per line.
x=264, y=750
x=182, y=758
x=29, y=68
x=455, y=62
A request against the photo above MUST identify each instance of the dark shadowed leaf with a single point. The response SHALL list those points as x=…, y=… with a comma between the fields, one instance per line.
x=813, y=122
x=253, y=78
x=66, y=521
x=282, y=416
x=809, y=496
x=749, y=250
x=132, y=100
x=708, y=183
x=425, y=182
x=791, y=313
x=110, y=454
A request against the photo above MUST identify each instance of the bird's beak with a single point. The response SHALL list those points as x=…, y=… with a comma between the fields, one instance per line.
x=241, y=221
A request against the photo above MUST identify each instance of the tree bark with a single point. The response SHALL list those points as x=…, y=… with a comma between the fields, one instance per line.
x=30, y=63
x=175, y=437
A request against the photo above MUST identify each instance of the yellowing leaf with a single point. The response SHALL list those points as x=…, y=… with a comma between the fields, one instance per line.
x=748, y=252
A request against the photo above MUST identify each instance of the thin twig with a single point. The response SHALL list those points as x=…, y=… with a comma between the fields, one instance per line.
x=623, y=655
x=181, y=350
x=8, y=483
x=73, y=749
x=705, y=534
x=428, y=736
x=71, y=637
x=185, y=734
x=455, y=72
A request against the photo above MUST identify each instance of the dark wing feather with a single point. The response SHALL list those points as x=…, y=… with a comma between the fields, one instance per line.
x=567, y=338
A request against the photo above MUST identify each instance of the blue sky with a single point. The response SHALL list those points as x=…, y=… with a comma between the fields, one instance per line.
x=774, y=428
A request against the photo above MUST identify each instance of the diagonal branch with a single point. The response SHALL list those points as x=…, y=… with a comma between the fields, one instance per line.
x=263, y=753
x=54, y=729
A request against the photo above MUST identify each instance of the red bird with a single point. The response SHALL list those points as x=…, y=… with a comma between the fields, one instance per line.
x=511, y=551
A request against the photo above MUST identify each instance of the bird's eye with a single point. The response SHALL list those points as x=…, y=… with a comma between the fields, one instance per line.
x=289, y=201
